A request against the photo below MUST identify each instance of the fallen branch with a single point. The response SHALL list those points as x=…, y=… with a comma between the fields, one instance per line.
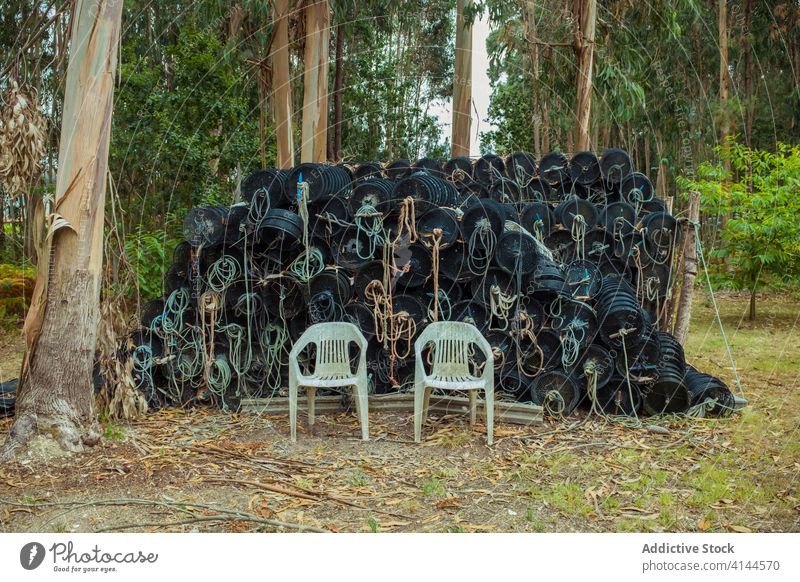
x=206, y=518
x=266, y=486
x=304, y=493
x=226, y=514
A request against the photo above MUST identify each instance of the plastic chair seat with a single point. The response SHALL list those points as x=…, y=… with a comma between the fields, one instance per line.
x=329, y=381
x=331, y=370
x=454, y=383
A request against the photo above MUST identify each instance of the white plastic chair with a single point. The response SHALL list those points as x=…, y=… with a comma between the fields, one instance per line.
x=332, y=370
x=450, y=370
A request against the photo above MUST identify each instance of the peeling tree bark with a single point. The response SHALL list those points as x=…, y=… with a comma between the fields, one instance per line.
x=60, y=330
x=337, y=95
x=314, y=147
x=282, y=101
x=462, y=83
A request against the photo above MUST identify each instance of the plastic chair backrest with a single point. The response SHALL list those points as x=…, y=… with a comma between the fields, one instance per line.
x=451, y=341
x=333, y=347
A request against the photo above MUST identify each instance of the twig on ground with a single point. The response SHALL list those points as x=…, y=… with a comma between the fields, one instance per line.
x=226, y=514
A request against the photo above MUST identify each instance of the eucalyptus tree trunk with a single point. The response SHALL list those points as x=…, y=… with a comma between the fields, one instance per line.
x=724, y=77
x=684, y=311
x=747, y=47
x=528, y=9
x=585, y=14
x=314, y=147
x=337, y=94
x=462, y=83
x=282, y=99
x=55, y=396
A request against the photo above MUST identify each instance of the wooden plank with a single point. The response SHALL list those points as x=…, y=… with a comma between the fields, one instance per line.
x=511, y=412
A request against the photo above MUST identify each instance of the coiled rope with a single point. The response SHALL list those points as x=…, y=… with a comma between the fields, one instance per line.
x=308, y=264
x=323, y=307
x=500, y=305
x=436, y=235
x=524, y=330
x=484, y=237
x=210, y=305
x=578, y=232
x=572, y=339
x=369, y=222
x=223, y=273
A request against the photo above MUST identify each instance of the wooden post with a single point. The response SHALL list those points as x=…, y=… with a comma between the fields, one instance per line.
x=462, y=83
x=689, y=269
x=55, y=396
x=585, y=14
x=282, y=100
x=314, y=147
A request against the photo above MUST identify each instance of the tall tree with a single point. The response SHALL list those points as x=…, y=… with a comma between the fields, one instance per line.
x=314, y=146
x=338, y=89
x=585, y=14
x=55, y=395
x=724, y=76
x=282, y=99
x=462, y=80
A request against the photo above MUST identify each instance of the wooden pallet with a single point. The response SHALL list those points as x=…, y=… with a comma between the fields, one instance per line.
x=511, y=412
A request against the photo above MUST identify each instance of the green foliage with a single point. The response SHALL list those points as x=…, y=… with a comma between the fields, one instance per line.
x=180, y=134
x=398, y=64
x=114, y=432
x=760, y=198
x=150, y=255
x=655, y=82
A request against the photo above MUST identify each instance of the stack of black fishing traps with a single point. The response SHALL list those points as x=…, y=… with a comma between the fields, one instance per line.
x=565, y=266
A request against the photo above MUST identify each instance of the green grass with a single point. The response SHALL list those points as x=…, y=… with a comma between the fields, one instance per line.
x=568, y=498
x=360, y=479
x=433, y=488
x=114, y=432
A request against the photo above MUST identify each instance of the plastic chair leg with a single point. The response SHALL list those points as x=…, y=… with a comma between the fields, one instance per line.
x=293, y=408
x=362, y=408
x=311, y=394
x=419, y=397
x=426, y=405
x=473, y=407
x=490, y=414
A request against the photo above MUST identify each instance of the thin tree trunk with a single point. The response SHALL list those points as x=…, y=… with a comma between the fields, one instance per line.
x=684, y=311
x=585, y=14
x=724, y=77
x=55, y=395
x=528, y=9
x=337, y=95
x=282, y=100
x=314, y=146
x=545, y=127
x=751, y=315
x=462, y=83
x=262, y=113
x=2, y=228
x=748, y=73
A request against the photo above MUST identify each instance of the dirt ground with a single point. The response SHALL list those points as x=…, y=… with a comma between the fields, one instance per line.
x=201, y=470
